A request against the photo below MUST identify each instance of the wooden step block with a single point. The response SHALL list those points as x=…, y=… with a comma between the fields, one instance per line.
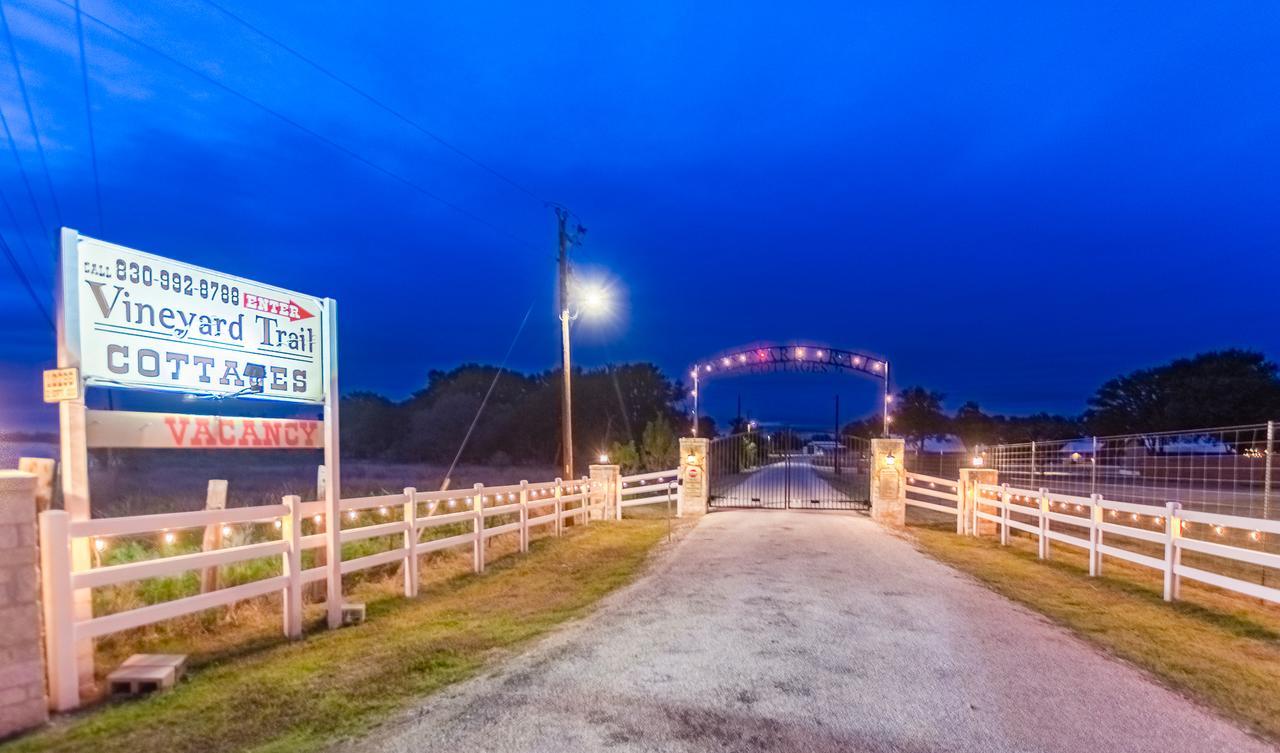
x=352, y=614
x=146, y=673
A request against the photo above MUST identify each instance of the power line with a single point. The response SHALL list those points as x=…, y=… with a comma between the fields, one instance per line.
x=375, y=101
x=286, y=119
x=13, y=218
x=22, y=171
x=22, y=277
x=88, y=113
x=35, y=130
x=444, y=486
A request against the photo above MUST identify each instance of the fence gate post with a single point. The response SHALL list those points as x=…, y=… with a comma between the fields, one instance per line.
x=477, y=550
x=524, y=517
x=22, y=700
x=291, y=532
x=606, y=479
x=695, y=483
x=1095, y=535
x=1172, y=552
x=584, y=488
x=410, y=541
x=888, y=482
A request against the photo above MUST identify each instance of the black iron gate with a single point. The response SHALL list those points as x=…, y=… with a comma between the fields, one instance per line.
x=784, y=469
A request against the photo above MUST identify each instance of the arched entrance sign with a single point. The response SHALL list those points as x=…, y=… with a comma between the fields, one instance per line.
x=798, y=357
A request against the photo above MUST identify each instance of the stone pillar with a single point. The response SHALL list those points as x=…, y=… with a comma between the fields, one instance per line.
x=969, y=480
x=888, y=482
x=607, y=480
x=695, y=484
x=22, y=699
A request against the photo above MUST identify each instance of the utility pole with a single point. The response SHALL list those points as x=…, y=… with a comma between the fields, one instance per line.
x=566, y=238
x=566, y=399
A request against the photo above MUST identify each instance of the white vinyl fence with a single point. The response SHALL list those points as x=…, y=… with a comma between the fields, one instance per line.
x=446, y=520
x=648, y=488
x=1107, y=528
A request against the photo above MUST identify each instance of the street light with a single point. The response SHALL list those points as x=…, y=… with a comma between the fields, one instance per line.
x=592, y=299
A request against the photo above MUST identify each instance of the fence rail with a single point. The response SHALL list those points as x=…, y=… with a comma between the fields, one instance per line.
x=648, y=488
x=1155, y=538
x=449, y=520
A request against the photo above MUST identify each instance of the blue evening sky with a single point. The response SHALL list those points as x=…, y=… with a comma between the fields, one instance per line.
x=1013, y=201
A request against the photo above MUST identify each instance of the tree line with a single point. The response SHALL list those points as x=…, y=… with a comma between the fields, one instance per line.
x=632, y=411
x=628, y=411
x=1215, y=389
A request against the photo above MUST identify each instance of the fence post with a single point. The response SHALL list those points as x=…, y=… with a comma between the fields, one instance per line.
x=291, y=532
x=1172, y=552
x=1093, y=467
x=960, y=509
x=410, y=542
x=1095, y=535
x=477, y=550
x=1005, y=500
x=1266, y=477
x=59, y=620
x=1033, y=465
x=524, y=517
x=617, y=492
x=1044, y=524
x=215, y=498
x=559, y=505
x=584, y=488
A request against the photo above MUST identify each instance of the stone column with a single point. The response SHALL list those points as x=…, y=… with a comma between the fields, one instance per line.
x=607, y=480
x=695, y=484
x=888, y=482
x=22, y=699
x=969, y=480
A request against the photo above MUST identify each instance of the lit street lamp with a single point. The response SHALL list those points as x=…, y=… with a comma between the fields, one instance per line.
x=591, y=300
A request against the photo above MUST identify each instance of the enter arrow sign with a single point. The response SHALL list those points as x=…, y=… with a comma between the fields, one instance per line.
x=292, y=310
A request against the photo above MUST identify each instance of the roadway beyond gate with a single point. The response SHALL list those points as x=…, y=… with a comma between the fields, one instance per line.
x=731, y=643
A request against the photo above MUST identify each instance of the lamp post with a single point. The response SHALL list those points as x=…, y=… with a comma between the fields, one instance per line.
x=590, y=299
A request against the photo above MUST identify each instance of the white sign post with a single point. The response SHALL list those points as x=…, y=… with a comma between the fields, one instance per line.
x=129, y=319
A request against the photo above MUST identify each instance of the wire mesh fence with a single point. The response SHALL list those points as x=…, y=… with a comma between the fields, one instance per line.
x=1221, y=470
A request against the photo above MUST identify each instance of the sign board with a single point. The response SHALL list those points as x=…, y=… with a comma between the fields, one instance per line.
x=161, y=431
x=137, y=320
x=61, y=384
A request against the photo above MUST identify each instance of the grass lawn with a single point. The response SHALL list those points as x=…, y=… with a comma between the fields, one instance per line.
x=1220, y=648
x=301, y=695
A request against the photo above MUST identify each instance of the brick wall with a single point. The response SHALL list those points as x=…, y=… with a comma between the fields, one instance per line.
x=22, y=697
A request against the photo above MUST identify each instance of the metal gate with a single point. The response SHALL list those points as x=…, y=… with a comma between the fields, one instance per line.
x=785, y=470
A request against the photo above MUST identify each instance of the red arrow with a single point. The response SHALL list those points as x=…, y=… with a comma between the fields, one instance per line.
x=291, y=310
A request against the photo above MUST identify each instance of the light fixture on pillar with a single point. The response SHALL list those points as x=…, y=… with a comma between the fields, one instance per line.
x=604, y=457
x=978, y=461
x=691, y=459
x=890, y=459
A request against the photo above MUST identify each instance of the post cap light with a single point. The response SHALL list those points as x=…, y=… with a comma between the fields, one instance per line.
x=604, y=457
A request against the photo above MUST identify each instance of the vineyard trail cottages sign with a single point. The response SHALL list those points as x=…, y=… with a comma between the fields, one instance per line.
x=143, y=321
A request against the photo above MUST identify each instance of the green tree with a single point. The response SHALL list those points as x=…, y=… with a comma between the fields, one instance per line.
x=1221, y=388
x=917, y=415
x=659, y=448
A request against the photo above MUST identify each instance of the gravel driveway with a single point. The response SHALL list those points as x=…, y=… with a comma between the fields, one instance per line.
x=803, y=631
